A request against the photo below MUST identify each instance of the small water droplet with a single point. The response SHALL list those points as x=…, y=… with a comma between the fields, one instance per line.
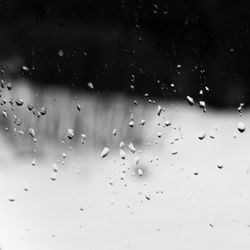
x=33, y=163
x=31, y=132
x=83, y=138
x=90, y=84
x=19, y=102
x=4, y=113
x=190, y=100
x=167, y=123
x=159, y=110
x=78, y=106
x=105, y=152
x=122, y=154
x=241, y=127
x=122, y=144
x=70, y=133
x=201, y=135
x=136, y=160
x=60, y=52
x=131, y=147
x=131, y=123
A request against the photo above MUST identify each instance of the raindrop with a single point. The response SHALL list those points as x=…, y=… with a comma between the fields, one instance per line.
x=136, y=160
x=4, y=113
x=78, y=106
x=43, y=111
x=90, y=84
x=212, y=136
x=25, y=68
x=53, y=176
x=83, y=138
x=203, y=106
x=201, y=135
x=240, y=108
x=33, y=163
x=167, y=123
x=174, y=152
x=122, y=144
x=55, y=168
x=159, y=110
x=241, y=127
x=143, y=122
x=60, y=52
x=140, y=172
x=122, y=154
x=219, y=165
x=31, y=132
x=105, y=152
x=9, y=86
x=131, y=147
x=70, y=133
x=19, y=102
x=131, y=124
x=30, y=107
x=190, y=100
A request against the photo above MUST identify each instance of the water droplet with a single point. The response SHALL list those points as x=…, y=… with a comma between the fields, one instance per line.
x=9, y=86
x=70, y=133
x=201, y=135
x=143, y=122
x=105, y=152
x=55, y=167
x=131, y=123
x=33, y=163
x=43, y=111
x=19, y=102
x=4, y=113
x=83, y=138
x=90, y=84
x=122, y=154
x=30, y=107
x=159, y=110
x=219, y=165
x=11, y=199
x=241, y=127
x=53, y=176
x=212, y=136
x=78, y=106
x=122, y=144
x=131, y=147
x=25, y=68
x=190, y=100
x=136, y=160
x=60, y=52
x=167, y=123
x=203, y=105
x=140, y=172
x=174, y=152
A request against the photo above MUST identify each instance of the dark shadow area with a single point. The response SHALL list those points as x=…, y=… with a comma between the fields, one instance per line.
x=168, y=49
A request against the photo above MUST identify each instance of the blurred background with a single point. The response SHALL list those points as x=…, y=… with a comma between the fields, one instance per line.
x=118, y=43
